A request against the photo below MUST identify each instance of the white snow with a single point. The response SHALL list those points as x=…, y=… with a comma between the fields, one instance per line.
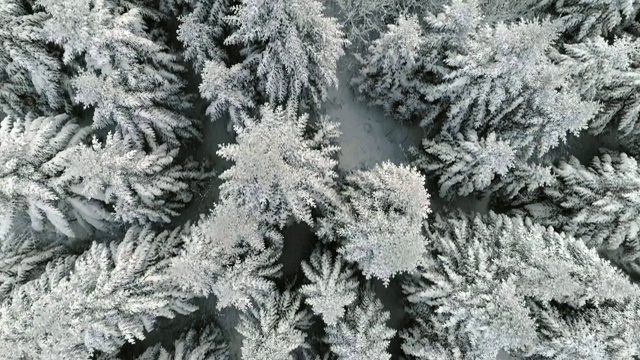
x=369, y=136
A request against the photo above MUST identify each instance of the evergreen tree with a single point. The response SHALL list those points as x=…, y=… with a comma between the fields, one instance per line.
x=290, y=45
x=274, y=328
x=142, y=187
x=202, y=30
x=279, y=173
x=31, y=78
x=582, y=19
x=207, y=344
x=393, y=73
x=402, y=69
x=362, y=334
x=381, y=227
x=332, y=285
x=234, y=264
x=229, y=90
x=26, y=145
x=110, y=295
x=24, y=255
x=128, y=79
x=494, y=282
x=598, y=204
x=607, y=73
x=505, y=82
x=465, y=164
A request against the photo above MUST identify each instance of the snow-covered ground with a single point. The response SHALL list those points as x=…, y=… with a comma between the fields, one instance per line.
x=368, y=135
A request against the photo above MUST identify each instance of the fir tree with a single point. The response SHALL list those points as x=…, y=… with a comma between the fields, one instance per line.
x=26, y=145
x=505, y=82
x=207, y=344
x=274, y=328
x=332, y=285
x=228, y=89
x=607, y=73
x=290, y=45
x=233, y=263
x=202, y=31
x=596, y=203
x=402, y=69
x=24, y=255
x=494, y=282
x=279, y=173
x=31, y=78
x=393, y=71
x=582, y=19
x=362, y=334
x=141, y=187
x=129, y=80
x=110, y=295
x=464, y=165
x=381, y=227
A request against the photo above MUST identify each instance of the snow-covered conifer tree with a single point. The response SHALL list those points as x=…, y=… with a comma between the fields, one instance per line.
x=202, y=31
x=228, y=89
x=129, y=80
x=228, y=258
x=332, y=285
x=274, y=328
x=582, y=19
x=290, y=45
x=142, y=187
x=598, y=204
x=30, y=75
x=381, y=228
x=608, y=73
x=393, y=73
x=362, y=334
x=401, y=70
x=464, y=165
x=110, y=295
x=207, y=344
x=26, y=145
x=505, y=82
x=494, y=282
x=279, y=173
x=24, y=255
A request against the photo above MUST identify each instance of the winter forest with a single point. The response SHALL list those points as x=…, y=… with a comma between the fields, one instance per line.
x=319, y=179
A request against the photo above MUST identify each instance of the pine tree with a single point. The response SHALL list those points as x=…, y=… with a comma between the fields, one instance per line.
x=274, y=328
x=495, y=282
x=583, y=19
x=505, y=82
x=202, y=31
x=141, y=187
x=393, y=73
x=402, y=69
x=207, y=344
x=607, y=73
x=110, y=295
x=26, y=145
x=229, y=259
x=598, y=204
x=128, y=79
x=31, y=79
x=24, y=255
x=381, y=229
x=228, y=90
x=291, y=46
x=279, y=173
x=332, y=285
x=362, y=334
x=465, y=164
